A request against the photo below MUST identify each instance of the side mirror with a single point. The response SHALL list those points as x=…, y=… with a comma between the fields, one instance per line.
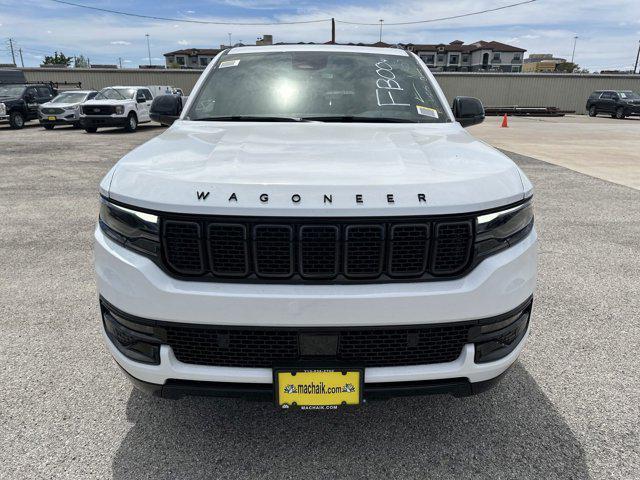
x=166, y=109
x=468, y=111
x=141, y=99
x=29, y=97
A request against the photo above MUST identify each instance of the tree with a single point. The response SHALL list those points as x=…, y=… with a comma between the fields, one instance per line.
x=569, y=67
x=57, y=59
x=81, y=62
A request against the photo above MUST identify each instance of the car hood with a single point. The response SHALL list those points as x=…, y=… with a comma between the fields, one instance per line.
x=59, y=105
x=10, y=99
x=319, y=169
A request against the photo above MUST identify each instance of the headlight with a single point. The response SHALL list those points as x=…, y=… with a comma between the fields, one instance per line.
x=132, y=229
x=119, y=109
x=3, y=109
x=72, y=108
x=502, y=229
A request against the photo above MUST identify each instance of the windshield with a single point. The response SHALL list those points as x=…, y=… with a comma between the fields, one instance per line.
x=70, y=97
x=110, y=93
x=323, y=86
x=11, y=90
x=629, y=95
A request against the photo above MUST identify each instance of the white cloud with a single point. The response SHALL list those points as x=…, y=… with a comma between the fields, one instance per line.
x=183, y=42
x=191, y=11
x=120, y=42
x=126, y=61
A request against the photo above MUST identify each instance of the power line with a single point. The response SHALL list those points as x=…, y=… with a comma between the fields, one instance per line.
x=441, y=18
x=207, y=22
x=204, y=22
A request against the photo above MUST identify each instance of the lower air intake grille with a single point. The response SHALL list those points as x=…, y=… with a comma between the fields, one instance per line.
x=268, y=348
x=294, y=250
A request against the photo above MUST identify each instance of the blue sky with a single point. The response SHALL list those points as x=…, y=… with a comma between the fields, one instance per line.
x=608, y=30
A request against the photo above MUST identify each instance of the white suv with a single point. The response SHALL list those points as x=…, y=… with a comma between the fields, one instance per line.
x=317, y=228
x=124, y=107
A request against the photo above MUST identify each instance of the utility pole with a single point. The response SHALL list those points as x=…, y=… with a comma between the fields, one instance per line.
x=120, y=61
x=381, y=20
x=148, y=48
x=333, y=30
x=13, y=55
x=21, y=59
x=229, y=39
x=637, y=57
x=574, y=48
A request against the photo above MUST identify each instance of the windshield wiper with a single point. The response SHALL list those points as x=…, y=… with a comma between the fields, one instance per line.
x=355, y=119
x=251, y=118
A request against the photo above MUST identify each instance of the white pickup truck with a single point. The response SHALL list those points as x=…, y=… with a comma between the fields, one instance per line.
x=317, y=228
x=119, y=106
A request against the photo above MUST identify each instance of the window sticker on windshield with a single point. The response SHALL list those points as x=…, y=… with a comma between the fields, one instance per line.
x=229, y=63
x=429, y=112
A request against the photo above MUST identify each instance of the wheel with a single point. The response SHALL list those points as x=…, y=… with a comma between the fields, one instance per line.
x=48, y=127
x=90, y=129
x=620, y=113
x=16, y=120
x=132, y=123
x=592, y=111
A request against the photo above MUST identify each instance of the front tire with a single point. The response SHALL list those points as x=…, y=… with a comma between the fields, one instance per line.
x=593, y=111
x=16, y=120
x=90, y=129
x=132, y=123
x=620, y=113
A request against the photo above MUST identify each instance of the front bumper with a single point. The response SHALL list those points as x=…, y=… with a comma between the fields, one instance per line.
x=103, y=121
x=60, y=118
x=135, y=285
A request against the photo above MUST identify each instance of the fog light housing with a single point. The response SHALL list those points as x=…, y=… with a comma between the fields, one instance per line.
x=499, y=338
x=133, y=340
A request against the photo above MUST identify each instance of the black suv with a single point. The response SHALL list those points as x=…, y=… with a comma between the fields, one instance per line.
x=19, y=102
x=617, y=103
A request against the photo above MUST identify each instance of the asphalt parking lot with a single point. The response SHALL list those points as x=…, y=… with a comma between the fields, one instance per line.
x=569, y=408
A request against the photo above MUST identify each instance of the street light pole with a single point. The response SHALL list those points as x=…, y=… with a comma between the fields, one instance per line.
x=229, y=39
x=148, y=48
x=574, y=48
x=637, y=57
x=381, y=20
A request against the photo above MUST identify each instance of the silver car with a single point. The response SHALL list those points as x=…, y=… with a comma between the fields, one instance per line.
x=64, y=109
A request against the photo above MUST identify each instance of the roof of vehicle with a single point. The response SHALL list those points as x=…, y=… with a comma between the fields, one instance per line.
x=27, y=84
x=77, y=91
x=317, y=48
x=126, y=86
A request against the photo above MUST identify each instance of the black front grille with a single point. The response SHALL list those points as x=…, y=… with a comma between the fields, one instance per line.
x=52, y=110
x=268, y=348
x=98, y=109
x=304, y=250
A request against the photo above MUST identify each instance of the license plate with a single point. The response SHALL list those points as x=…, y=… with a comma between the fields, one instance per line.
x=318, y=389
x=51, y=119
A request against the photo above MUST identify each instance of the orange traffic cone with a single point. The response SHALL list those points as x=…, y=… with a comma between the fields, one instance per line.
x=505, y=124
